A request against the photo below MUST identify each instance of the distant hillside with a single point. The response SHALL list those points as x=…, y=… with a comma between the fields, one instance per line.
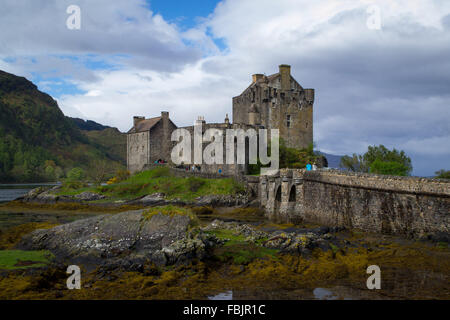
x=37, y=142
x=333, y=160
x=112, y=141
x=87, y=125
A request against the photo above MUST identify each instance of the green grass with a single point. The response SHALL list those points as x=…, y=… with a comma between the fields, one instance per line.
x=171, y=210
x=238, y=250
x=225, y=234
x=159, y=180
x=244, y=253
x=19, y=259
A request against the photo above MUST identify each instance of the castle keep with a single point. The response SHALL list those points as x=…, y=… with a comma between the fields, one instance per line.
x=279, y=102
x=276, y=101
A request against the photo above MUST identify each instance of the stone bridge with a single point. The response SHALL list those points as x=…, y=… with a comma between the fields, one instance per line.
x=411, y=206
x=281, y=195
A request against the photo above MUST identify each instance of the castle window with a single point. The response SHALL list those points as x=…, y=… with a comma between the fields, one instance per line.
x=288, y=121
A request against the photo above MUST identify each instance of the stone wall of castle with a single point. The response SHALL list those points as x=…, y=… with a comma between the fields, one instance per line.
x=408, y=206
x=278, y=102
x=146, y=147
x=224, y=168
x=138, y=150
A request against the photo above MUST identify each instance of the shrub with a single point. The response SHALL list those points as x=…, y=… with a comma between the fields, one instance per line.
x=75, y=174
x=112, y=180
x=122, y=175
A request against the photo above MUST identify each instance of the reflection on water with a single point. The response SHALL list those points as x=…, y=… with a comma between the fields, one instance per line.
x=228, y=295
x=324, y=294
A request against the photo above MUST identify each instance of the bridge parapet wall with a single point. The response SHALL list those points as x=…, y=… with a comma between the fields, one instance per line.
x=411, y=206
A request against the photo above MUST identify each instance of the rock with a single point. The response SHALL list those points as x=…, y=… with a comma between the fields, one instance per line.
x=46, y=197
x=245, y=230
x=41, y=195
x=106, y=239
x=152, y=199
x=181, y=251
x=295, y=243
x=32, y=194
x=89, y=196
x=222, y=200
x=208, y=200
x=301, y=242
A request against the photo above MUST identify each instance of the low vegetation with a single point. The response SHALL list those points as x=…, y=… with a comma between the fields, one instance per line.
x=20, y=259
x=287, y=277
x=160, y=180
x=9, y=238
x=171, y=210
x=238, y=250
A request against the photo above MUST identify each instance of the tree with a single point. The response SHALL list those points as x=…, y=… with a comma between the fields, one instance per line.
x=389, y=167
x=443, y=174
x=75, y=179
x=291, y=157
x=100, y=170
x=352, y=163
x=380, y=160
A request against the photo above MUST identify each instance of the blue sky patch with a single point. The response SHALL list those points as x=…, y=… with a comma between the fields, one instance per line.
x=184, y=14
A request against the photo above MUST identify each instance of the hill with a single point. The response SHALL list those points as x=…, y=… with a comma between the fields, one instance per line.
x=37, y=142
x=87, y=125
x=111, y=140
x=333, y=160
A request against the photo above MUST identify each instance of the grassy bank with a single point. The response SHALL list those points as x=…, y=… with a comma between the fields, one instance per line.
x=160, y=180
x=20, y=259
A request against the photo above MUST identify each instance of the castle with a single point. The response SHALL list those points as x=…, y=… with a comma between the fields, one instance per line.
x=276, y=101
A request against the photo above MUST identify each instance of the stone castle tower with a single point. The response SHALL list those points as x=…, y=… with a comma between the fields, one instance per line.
x=271, y=102
x=279, y=102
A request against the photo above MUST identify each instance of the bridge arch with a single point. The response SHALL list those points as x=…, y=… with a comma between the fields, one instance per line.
x=293, y=194
x=277, y=199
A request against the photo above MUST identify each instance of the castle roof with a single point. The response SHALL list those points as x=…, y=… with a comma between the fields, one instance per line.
x=145, y=125
x=269, y=80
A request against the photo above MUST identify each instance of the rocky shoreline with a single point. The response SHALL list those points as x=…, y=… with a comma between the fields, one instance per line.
x=43, y=195
x=132, y=238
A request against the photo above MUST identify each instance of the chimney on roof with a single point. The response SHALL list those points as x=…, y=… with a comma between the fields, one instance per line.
x=137, y=119
x=200, y=120
x=285, y=75
x=164, y=114
x=257, y=76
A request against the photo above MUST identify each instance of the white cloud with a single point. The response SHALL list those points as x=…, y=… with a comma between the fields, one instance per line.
x=372, y=87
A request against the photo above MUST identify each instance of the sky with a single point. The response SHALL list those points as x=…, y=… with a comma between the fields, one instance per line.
x=380, y=68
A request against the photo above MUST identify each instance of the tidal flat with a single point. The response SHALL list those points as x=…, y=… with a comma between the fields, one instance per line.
x=237, y=269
